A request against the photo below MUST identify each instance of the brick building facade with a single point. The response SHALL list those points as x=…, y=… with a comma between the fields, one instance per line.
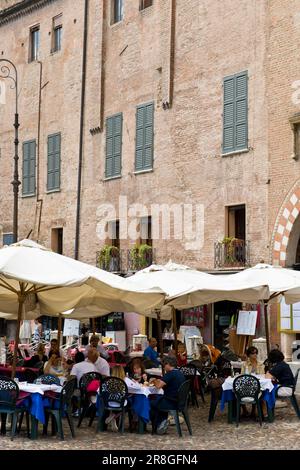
x=217, y=79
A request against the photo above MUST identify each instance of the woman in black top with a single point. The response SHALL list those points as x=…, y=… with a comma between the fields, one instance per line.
x=280, y=370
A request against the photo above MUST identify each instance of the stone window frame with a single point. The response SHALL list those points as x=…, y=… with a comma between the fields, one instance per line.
x=294, y=123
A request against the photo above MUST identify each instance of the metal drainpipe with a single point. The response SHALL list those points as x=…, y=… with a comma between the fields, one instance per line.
x=38, y=213
x=83, y=81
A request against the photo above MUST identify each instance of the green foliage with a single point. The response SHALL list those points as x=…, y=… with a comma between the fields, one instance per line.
x=139, y=256
x=105, y=255
x=229, y=244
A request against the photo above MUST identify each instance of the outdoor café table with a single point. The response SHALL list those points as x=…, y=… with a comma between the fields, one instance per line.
x=138, y=396
x=154, y=372
x=7, y=370
x=33, y=397
x=268, y=394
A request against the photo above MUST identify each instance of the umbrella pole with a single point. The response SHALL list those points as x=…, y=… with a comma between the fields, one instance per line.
x=159, y=331
x=267, y=327
x=175, y=330
x=20, y=309
x=59, y=329
x=93, y=326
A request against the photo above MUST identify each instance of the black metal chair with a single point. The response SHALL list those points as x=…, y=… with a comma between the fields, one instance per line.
x=85, y=397
x=190, y=373
x=113, y=397
x=9, y=393
x=48, y=379
x=180, y=405
x=64, y=409
x=247, y=390
x=288, y=393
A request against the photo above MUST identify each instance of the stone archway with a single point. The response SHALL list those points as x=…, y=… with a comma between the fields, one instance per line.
x=287, y=228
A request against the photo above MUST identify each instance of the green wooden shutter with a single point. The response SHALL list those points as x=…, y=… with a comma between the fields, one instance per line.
x=144, y=137
x=54, y=151
x=235, y=113
x=113, y=145
x=139, y=149
x=241, y=111
x=29, y=163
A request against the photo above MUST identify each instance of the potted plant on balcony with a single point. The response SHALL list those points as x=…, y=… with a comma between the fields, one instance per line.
x=139, y=256
x=106, y=257
x=229, y=249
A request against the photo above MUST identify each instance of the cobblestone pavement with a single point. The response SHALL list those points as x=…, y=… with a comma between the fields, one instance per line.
x=216, y=435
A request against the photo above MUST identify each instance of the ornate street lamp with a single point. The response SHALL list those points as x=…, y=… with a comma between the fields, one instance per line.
x=9, y=71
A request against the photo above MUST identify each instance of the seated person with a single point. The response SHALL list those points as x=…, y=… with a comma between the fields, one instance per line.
x=101, y=365
x=252, y=365
x=181, y=355
x=137, y=371
x=280, y=371
x=54, y=365
x=94, y=343
x=151, y=352
x=84, y=366
x=54, y=348
x=68, y=366
x=170, y=382
x=39, y=356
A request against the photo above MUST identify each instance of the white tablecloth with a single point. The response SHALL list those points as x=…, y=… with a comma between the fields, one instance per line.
x=154, y=371
x=36, y=388
x=265, y=384
x=136, y=388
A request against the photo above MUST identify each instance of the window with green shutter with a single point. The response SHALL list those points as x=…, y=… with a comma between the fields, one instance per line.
x=29, y=162
x=113, y=145
x=144, y=137
x=235, y=113
x=53, y=169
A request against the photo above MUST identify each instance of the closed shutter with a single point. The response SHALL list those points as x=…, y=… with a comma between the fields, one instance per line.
x=54, y=151
x=144, y=137
x=241, y=116
x=235, y=114
x=113, y=145
x=29, y=163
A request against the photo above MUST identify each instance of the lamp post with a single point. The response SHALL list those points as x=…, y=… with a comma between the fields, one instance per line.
x=9, y=71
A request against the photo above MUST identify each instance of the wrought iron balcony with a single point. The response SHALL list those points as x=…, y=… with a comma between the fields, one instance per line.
x=109, y=259
x=139, y=258
x=232, y=253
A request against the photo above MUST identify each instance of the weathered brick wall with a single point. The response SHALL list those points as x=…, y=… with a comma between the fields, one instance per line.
x=213, y=40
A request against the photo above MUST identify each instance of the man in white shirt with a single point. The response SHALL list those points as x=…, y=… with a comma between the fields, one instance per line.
x=86, y=366
x=94, y=343
x=102, y=366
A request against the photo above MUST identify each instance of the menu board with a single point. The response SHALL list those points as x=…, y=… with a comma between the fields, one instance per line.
x=71, y=327
x=246, y=322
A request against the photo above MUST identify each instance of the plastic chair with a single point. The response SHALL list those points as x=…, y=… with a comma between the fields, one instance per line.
x=113, y=397
x=9, y=393
x=247, y=390
x=180, y=405
x=85, y=402
x=65, y=408
x=48, y=379
x=282, y=392
x=190, y=373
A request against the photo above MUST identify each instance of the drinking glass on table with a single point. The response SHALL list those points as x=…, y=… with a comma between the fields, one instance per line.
x=38, y=381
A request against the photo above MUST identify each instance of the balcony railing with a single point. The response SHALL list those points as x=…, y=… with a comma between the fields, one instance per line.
x=139, y=259
x=233, y=253
x=110, y=262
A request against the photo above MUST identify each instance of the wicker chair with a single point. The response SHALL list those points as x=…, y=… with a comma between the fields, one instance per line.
x=113, y=396
x=85, y=401
x=247, y=390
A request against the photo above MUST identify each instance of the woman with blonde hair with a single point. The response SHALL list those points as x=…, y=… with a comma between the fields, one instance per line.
x=117, y=371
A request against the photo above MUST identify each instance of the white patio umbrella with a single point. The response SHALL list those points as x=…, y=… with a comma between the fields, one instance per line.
x=280, y=281
x=31, y=274
x=186, y=287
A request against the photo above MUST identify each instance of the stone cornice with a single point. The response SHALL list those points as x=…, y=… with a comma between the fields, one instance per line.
x=25, y=7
